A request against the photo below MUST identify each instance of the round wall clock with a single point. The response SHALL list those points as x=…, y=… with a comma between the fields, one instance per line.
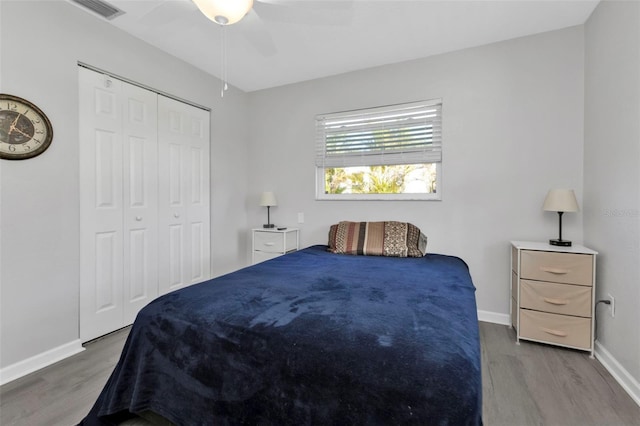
x=25, y=131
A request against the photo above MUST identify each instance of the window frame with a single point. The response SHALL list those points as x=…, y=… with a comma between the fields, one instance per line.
x=321, y=168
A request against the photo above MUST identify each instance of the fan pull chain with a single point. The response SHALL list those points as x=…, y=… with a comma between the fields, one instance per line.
x=223, y=60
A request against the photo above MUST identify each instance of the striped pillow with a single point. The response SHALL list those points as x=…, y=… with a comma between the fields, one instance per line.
x=398, y=239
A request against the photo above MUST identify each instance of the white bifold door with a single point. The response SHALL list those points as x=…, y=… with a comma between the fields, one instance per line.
x=183, y=134
x=144, y=199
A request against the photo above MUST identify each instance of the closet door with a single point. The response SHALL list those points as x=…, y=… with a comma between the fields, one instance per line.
x=118, y=202
x=140, y=191
x=184, y=246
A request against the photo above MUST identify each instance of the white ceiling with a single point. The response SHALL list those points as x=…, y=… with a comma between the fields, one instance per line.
x=287, y=41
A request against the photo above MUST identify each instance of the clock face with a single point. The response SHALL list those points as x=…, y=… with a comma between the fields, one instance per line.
x=25, y=131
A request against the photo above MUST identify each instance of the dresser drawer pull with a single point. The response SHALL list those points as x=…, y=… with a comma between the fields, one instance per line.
x=557, y=271
x=269, y=244
x=555, y=301
x=554, y=332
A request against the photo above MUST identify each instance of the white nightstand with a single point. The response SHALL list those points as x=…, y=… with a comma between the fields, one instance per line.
x=272, y=242
x=552, y=294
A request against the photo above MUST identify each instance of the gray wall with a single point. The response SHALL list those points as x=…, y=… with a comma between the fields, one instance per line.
x=515, y=116
x=612, y=172
x=39, y=215
x=512, y=129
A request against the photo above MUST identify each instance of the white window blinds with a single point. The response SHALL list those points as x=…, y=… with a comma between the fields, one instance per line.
x=397, y=134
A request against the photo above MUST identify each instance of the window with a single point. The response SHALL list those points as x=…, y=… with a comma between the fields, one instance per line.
x=385, y=153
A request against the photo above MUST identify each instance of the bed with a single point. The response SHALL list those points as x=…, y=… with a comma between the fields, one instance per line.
x=309, y=338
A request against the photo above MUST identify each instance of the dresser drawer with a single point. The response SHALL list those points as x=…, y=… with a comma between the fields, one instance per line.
x=565, y=299
x=261, y=256
x=556, y=267
x=274, y=242
x=554, y=328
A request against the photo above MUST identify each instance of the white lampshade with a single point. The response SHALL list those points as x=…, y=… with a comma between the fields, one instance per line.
x=224, y=12
x=268, y=199
x=560, y=200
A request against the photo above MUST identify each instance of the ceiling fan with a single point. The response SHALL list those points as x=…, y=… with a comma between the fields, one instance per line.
x=257, y=21
x=253, y=17
x=224, y=12
x=228, y=12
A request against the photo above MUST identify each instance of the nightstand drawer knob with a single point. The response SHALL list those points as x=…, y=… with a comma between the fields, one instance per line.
x=554, y=270
x=554, y=332
x=555, y=301
x=269, y=244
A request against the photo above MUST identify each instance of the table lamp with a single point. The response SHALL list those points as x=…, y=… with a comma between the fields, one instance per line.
x=267, y=200
x=560, y=200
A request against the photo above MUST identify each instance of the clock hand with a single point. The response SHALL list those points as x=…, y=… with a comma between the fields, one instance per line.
x=13, y=125
x=12, y=128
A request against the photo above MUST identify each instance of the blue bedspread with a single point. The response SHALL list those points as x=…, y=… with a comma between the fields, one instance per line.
x=307, y=338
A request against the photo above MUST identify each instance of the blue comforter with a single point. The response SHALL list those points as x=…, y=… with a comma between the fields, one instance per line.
x=307, y=338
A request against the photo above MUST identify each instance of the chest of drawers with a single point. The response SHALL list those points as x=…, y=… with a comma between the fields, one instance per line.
x=270, y=243
x=552, y=294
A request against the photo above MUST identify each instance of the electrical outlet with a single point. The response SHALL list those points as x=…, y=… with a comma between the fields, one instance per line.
x=612, y=305
x=300, y=217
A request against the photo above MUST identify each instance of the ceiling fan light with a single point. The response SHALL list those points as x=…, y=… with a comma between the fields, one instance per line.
x=224, y=12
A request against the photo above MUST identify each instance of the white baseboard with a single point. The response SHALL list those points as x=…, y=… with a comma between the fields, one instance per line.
x=36, y=362
x=622, y=376
x=486, y=316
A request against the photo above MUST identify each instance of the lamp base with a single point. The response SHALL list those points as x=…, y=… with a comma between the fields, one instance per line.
x=561, y=243
x=268, y=225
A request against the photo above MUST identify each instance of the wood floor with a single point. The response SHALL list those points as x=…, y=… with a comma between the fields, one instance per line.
x=536, y=384
x=526, y=384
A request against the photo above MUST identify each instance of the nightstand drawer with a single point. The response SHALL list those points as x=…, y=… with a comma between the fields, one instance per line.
x=261, y=256
x=273, y=242
x=567, y=299
x=556, y=267
x=560, y=329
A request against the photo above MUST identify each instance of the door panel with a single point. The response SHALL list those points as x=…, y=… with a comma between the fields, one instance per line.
x=107, y=267
x=184, y=221
x=176, y=257
x=140, y=213
x=138, y=265
x=107, y=160
x=118, y=202
x=137, y=187
x=101, y=236
x=197, y=196
x=197, y=253
x=175, y=175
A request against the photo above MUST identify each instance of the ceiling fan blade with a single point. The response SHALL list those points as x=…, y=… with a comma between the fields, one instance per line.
x=306, y=12
x=167, y=12
x=255, y=32
x=318, y=4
